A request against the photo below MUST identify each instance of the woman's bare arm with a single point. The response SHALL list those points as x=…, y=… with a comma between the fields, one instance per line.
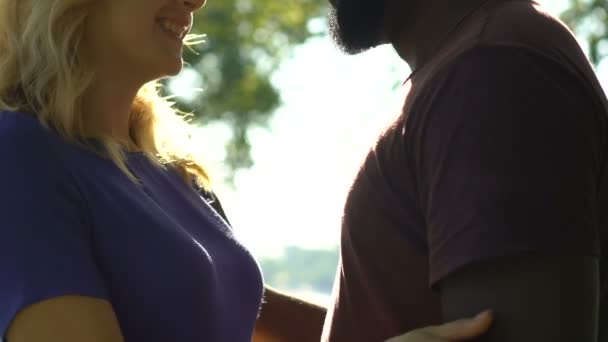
x=66, y=319
x=287, y=318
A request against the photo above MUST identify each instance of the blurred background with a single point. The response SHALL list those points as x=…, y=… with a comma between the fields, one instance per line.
x=285, y=119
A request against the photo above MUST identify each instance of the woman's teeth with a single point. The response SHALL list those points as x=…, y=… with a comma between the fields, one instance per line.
x=176, y=30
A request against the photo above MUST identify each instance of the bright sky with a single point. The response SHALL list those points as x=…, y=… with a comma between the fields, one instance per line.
x=333, y=108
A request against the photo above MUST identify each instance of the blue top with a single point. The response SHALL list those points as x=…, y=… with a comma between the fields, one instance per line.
x=72, y=223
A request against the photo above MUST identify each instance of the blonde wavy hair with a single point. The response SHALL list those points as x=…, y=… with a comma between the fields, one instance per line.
x=42, y=71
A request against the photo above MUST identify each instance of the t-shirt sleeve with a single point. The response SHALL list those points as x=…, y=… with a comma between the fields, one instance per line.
x=508, y=154
x=45, y=242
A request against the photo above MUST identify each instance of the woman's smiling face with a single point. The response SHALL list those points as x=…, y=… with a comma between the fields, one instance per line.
x=144, y=37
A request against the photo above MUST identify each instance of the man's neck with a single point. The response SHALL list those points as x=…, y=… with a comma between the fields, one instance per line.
x=426, y=25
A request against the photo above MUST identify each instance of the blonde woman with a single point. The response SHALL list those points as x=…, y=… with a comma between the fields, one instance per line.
x=102, y=236
x=108, y=229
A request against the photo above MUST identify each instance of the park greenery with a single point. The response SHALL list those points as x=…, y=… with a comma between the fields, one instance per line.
x=310, y=270
x=245, y=42
x=589, y=20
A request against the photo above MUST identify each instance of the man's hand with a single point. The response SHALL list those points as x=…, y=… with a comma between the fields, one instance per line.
x=460, y=330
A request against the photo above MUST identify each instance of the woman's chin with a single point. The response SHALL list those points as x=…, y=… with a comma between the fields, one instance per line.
x=174, y=69
x=168, y=70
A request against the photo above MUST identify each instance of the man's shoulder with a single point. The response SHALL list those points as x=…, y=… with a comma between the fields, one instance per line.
x=505, y=17
x=501, y=30
x=511, y=25
x=525, y=24
x=494, y=84
x=486, y=66
x=502, y=67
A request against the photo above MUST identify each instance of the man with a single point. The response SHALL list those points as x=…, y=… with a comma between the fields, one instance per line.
x=490, y=190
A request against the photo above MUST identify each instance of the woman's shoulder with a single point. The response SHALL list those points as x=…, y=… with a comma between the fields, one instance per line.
x=23, y=130
x=26, y=144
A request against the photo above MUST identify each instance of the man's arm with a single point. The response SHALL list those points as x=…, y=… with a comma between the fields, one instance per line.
x=514, y=148
x=287, y=318
x=533, y=298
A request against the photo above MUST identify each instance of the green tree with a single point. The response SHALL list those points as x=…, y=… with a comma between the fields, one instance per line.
x=589, y=19
x=300, y=268
x=246, y=41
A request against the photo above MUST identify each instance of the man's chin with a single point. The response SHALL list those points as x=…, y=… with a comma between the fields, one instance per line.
x=352, y=46
x=353, y=49
x=351, y=39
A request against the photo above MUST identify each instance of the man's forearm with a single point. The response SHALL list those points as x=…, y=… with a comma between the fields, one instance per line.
x=534, y=298
x=287, y=318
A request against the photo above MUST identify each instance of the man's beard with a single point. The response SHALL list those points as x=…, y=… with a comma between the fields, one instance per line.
x=357, y=25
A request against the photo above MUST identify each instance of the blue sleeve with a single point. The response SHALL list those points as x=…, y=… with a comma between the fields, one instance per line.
x=45, y=247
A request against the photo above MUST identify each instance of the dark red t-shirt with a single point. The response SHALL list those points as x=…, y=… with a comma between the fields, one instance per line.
x=500, y=150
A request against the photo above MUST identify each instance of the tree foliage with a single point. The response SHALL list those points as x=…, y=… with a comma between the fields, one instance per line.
x=301, y=268
x=246, y=41
x=589, y=19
